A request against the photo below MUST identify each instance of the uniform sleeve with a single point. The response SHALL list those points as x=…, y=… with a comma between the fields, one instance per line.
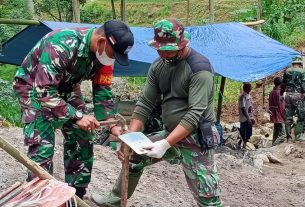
x=148, y=98
x=102, y=95
x=200, y=91
x=53, y=60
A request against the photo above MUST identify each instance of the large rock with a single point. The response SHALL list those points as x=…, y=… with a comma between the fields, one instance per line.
x=256, y=140
x=267, y=132
x=263, y=157
x=265, y=118
x=289, y=149
x=231, y=139
x=86, y=88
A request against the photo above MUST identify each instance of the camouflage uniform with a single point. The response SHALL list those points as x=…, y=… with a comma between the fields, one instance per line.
x=186, y=87
x=294, y=86
x=198, y=166
x=48, y=87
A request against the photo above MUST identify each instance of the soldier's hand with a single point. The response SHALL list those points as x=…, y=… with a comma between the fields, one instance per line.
x=120, y=154
x=116, y=131
x=87, y=123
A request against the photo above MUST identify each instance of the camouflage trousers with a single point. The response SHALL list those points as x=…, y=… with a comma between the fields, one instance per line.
x=78, y=149
x=198, y=166
x=295, y=106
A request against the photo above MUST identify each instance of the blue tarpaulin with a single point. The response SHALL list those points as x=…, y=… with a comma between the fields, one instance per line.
x=235, y=51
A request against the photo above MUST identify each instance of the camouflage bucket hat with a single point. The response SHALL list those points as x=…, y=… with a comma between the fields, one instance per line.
x=169, y=35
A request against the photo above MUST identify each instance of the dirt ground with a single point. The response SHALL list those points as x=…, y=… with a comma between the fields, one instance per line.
x=163, y=185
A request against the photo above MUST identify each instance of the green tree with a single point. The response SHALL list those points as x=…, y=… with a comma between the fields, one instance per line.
x=283, y=19
x=58, y=10
x=12, y=10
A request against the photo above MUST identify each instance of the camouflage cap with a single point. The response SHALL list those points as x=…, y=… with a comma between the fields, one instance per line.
x=297, y=62
x=169, y=35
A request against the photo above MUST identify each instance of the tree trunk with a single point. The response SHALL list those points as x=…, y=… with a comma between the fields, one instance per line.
x=123, y=10
x=75, y=11
x=29, y=5
x=113, y=9
x=211, y=11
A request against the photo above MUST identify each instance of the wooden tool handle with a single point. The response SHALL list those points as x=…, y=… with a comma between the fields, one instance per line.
x=125, y=174
x=32, y=166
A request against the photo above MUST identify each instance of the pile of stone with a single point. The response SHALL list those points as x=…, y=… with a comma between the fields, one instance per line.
x=261, y=138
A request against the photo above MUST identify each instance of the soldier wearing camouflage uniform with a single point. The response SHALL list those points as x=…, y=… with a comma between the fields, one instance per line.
x=48, y=87
x=294, y=87
x=185, y=80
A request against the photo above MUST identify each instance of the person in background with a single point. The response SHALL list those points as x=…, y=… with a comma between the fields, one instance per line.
x=245, y=109
x=277, y=112
x=294, y=88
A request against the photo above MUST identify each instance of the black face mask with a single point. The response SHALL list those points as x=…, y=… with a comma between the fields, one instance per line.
x=171, y=60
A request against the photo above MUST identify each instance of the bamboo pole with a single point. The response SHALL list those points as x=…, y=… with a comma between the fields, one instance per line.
x=32, y=166
x=253, y=23
x=18, y=21
x=211, y=11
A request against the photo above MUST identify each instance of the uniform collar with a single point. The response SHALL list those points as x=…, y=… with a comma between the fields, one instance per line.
x=84, y=47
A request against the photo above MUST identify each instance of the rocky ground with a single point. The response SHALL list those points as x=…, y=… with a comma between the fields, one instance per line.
x=247, y=177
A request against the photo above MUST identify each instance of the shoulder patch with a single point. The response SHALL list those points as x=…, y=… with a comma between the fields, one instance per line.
x=199, y=62
x=103, y=76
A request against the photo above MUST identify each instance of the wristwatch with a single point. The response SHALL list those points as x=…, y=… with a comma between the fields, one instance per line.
x=78, y=115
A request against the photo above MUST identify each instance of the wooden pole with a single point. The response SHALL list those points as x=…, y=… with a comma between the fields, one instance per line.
x=125, y=175
x=123, y=10
x=303, y=57
x=29, y=4
x=76, y=11
x=31, y=165
x=19, y=21
x=220, y=97
x=188, y=13
x=113, y=9
x=253, y=23
x=211, y=11
x=259, y=14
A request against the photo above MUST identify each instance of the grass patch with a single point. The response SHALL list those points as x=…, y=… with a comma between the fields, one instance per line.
x=7, y=72
x=9, y=105
x=231, y=93
x=136, y=81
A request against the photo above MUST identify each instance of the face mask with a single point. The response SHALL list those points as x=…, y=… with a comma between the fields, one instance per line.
x=103, y=58
x=173, y=59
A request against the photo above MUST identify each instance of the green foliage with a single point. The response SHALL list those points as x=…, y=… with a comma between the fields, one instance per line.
x=94, y=12
x=136, y=81
x=164, y=12
x=7, y=72
x=231, y=93
x=9, y=105
x=245, y=14
x=285, y=20
x=58, y=10
x=14, y=10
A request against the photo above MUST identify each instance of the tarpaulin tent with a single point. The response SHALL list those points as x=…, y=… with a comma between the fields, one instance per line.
x=235, y=51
